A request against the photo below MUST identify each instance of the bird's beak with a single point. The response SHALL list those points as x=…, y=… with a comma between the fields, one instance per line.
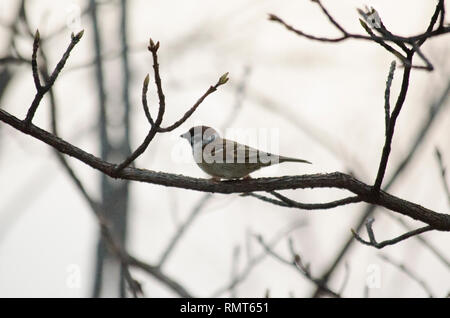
x=186, y=136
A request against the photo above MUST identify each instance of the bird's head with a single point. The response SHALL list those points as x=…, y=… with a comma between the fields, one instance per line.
x=200, y=135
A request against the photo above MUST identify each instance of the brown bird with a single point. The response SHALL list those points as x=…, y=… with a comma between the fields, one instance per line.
x=227, y=159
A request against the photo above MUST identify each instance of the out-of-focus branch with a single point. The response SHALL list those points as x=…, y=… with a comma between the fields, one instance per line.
x=234, y=269
x=298, y=264
x=181, y=229
x=102, y=265
x=345, y=280
x=253, y=261
x=96, y=207
x=409, y=273
x=443, y=173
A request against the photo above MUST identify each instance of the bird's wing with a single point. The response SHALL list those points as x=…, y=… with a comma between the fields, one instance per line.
x=231, y=151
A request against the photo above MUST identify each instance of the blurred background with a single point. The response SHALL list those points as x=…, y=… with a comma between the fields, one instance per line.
x=324, y=100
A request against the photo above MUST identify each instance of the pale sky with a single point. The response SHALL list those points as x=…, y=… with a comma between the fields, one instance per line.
x=295, y=87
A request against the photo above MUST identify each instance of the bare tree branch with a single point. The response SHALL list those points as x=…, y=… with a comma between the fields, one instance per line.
x=387, y=95
x=316, y=206
x=338, y=180
x=363, y=192
x=390, y=129
x=155, y=125
x=41, y=90
x=421, y=239
x=372, y=241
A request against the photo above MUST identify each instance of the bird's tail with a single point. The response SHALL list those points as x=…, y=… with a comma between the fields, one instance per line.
x=288, y=159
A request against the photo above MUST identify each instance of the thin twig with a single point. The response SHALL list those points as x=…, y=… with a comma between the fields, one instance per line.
x=153, y=48
x=286, y=202
x=390, y=131
x=189, y=113
x=316, y=206
x=41, y=90
x=387, y=95
x=34, y=64
x=373, y=242
x=156, y=124
x=422, y=240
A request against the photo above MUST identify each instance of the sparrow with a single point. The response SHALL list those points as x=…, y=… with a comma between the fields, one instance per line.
x=227, y=159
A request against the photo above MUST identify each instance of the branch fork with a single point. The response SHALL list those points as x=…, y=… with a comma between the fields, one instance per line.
x=41, y=90
x=373, y=242
x=155, y=125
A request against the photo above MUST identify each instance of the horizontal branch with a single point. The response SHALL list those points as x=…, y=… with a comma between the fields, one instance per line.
x=338, y=180
x=316, y=206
